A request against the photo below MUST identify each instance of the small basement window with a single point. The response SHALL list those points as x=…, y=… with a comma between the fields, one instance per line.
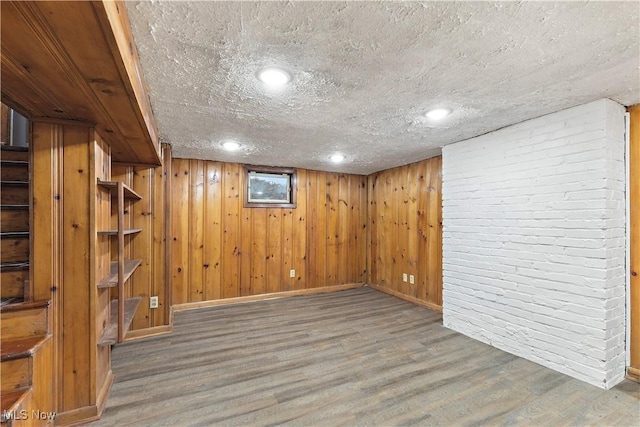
x=269, y=187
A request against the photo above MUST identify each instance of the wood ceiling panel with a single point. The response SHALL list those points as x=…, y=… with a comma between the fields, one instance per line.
x=61, y=60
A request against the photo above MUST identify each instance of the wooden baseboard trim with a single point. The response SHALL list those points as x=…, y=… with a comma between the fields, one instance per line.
x=148, y=332
x=633, y=374
x=402, y=296
x=285, y=294
x=103, y=393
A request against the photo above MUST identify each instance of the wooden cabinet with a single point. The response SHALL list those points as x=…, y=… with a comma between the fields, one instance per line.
x=121, y=309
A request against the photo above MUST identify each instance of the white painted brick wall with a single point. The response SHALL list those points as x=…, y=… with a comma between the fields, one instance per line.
x=534, y=240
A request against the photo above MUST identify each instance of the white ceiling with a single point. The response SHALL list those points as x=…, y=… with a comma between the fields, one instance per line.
x=364, y=73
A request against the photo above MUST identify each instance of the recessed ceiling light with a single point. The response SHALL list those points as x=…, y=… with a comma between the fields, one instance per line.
x=337, y=158
x=438, y=113
x=273, y=76
x=230, y=146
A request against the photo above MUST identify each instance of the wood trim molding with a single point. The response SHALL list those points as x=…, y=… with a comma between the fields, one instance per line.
x=138, y=334
x=238, y=300
x=64, y=122
x=104, y=392
x=408, y=298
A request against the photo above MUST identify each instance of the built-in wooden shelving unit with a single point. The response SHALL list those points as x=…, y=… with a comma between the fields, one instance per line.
x=126, y=232
x=122, y=309
x=110, y=335
x=128, y=192
x=112, y=279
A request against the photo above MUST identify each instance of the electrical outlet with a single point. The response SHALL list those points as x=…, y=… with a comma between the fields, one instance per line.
x=412, y=279
x=292, y=273
x=153, y=302
x=404, y=277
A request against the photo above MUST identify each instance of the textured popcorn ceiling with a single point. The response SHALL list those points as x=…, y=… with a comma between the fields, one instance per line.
x=364, y=73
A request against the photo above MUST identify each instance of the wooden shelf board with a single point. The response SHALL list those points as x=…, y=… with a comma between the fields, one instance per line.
x=111, y=280
x=110, y=335
x=115, y=232
x=129, y=193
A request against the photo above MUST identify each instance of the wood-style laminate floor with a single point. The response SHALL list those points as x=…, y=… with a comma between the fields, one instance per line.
x=350, y=358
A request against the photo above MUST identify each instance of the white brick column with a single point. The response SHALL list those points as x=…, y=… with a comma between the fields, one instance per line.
x=533, y=241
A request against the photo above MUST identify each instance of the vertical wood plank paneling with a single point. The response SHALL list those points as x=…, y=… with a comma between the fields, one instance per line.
x=424, y=171
x=405, y=214
x=213, y=231
x=403, y=232
x=287, y=250
x=149, y=215
x=372, y=234
x=196, y=230
x=158, y=264
x=320, y=237
x=250, y=251
x=274, y=255
x=77, y=364
x=311, y=231
x=180, y=211
x=141, y=281
x=299, y=234
x=634, y=196
x=259, y=252
x=47, y=179
x=231, y=230
x=353, y=227
x=66, y=161
x=342, y=231
x=412, y=228
x=363, y=232
x=431, y=291
x=388, y=232
x=333, y=230
x=245, y=247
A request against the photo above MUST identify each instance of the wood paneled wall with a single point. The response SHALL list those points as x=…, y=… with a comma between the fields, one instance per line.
x=219, y=249
x=66, y=160
x=149, y=214
x=634, y=195
x=405, y=220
